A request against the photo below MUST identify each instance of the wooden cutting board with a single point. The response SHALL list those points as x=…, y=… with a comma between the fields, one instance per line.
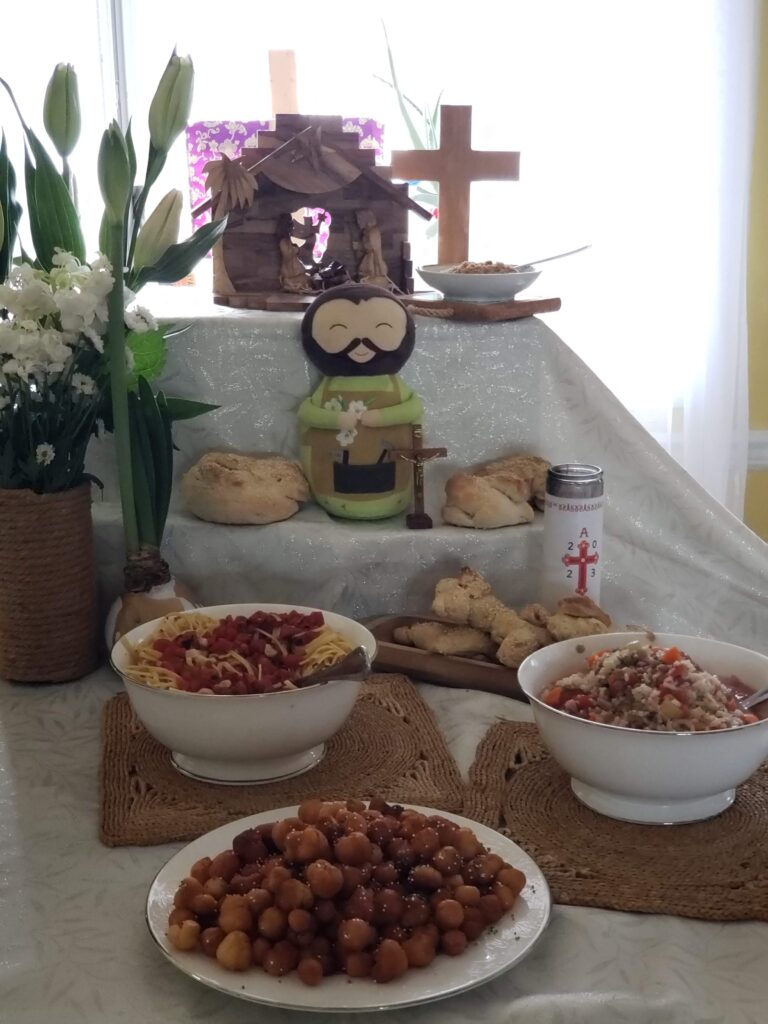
x=441, y=669
x=478, y=312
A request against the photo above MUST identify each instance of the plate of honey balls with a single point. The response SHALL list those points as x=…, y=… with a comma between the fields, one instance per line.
x=348, y=905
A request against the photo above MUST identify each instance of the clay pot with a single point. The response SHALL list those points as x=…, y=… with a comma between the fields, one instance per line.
x=48, y=611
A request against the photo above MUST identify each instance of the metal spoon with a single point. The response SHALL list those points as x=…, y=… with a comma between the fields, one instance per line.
x=745, y=703
x=571, y=252
x=355, y=665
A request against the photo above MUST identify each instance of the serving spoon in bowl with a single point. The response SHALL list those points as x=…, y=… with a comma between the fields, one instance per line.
x=559, y=256
x=749, y=701
x=355, y=665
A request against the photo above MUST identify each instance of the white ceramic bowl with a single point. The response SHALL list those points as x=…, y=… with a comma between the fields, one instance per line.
x=643, y=776
x=477, y=287
x=254, y=738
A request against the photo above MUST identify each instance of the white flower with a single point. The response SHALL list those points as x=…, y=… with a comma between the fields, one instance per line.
x=358, y=408
x=83, y=384
x=334, y=404
x=140, y=320
x=346, y=437
x=44, y=454
x=96, y=339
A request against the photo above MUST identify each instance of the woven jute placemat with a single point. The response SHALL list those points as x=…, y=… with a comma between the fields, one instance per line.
x=390, y=746
x=716, y=870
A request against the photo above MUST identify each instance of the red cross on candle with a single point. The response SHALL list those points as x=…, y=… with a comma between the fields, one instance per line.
x=582, y=560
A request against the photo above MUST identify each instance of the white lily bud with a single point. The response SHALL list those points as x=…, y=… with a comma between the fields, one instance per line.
x=159, y=231
x=61, y=110
x=114, y=173
x=169, y=110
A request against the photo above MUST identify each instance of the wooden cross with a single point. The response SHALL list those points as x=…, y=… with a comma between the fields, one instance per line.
x=454, y=166
x=282, y=79
x=417, y=456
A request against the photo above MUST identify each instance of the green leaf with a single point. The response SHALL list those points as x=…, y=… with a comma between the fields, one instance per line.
x=186, y=409
x=11, y=210
x=178, y=260
x=54, y=209
x=416, y=139
x=149, y=355
x=143, y=473
x=166, y=448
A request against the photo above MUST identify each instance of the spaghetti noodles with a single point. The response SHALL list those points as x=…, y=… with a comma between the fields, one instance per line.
x=261, y=653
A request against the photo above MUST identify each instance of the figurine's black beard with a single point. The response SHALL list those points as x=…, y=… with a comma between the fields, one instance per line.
x=339, y=364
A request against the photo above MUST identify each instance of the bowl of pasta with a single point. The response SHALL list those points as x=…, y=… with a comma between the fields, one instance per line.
x=222, y=687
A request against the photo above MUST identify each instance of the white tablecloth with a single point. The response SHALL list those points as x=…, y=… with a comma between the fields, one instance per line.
x=74, y=948
x=73, y=944
x=673, y=557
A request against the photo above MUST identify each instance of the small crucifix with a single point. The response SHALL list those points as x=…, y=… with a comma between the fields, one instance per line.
x=454, y=166
x=417, y=456
x=582, y=560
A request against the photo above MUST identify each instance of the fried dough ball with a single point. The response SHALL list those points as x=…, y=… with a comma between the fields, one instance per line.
x=355, y=934
x=281, y=959
x=224, y=865
x=184, y=936
x=353, y=849
x=453, y=942
x=234, y=952
x=324, y=879
x=210, y=940
x=310, y=971
x=389, y=962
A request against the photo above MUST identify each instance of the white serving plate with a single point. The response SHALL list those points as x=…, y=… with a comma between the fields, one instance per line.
x=499, y=948
x=476, y=287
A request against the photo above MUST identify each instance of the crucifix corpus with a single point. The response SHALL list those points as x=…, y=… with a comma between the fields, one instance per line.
x=454, y=166
x=417, y=456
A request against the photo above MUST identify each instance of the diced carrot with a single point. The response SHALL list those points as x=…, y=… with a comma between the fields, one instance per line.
x=748, y=718
x=671, y=655
x=594, y=658
x=554, y=697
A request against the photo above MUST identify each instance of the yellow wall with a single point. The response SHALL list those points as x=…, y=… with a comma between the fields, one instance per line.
x=756, y=509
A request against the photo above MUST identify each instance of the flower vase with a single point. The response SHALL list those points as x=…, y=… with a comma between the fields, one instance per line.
x=146, y=599
x=48, y=610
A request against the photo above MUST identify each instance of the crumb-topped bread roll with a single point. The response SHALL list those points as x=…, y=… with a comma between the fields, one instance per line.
x=226, y=487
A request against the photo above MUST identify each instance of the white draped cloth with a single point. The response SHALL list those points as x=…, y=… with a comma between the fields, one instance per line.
x=73, y=942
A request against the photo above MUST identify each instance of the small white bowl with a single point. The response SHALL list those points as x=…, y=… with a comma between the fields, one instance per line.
x=477, y=287
x=641, y=775
x=241, y=740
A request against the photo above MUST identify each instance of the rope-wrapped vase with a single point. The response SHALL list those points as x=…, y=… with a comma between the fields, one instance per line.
x=48, y=611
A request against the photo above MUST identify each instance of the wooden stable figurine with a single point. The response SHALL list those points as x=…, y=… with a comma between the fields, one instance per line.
x=306, y=163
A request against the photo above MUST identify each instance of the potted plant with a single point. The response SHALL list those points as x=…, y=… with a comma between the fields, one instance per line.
x=70, y=338
x=142, y=420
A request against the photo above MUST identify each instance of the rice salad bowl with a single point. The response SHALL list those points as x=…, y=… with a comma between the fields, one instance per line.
x=646, y=739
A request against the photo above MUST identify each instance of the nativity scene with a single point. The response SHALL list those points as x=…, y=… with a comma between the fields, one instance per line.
x=267, y=257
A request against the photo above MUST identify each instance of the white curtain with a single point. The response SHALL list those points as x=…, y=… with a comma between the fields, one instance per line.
x=634, y=119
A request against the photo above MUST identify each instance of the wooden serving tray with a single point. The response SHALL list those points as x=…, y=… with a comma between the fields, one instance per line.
x=442, y=669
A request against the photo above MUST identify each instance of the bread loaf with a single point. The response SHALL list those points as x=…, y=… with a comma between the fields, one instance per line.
x=225, y=487
x=497, y=493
